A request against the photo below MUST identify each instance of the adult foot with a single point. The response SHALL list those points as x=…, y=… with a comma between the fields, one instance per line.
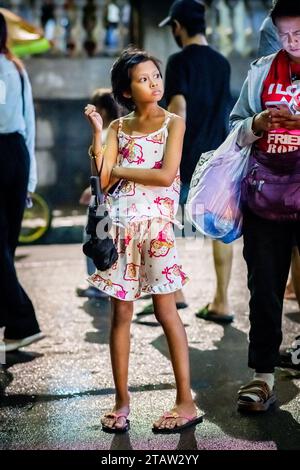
x=149, y=309
x=211, y=312
x=9, y=345
x=255, y=396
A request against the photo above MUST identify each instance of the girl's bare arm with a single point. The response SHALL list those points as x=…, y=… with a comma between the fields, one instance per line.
x=165, y=175
x=110, y=154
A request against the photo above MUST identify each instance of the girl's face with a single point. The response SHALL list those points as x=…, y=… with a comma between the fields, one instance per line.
x=146, y=83
x=289, y=34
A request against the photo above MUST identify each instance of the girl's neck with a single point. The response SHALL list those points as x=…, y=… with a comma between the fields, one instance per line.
x=149, y=110
x=145, y=111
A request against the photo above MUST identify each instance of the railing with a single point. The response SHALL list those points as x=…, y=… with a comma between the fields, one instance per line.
x=233, y=25
x=78, y=27
x=102, y=27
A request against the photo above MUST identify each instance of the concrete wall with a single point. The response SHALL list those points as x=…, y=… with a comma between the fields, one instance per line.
x=61, y=88
x=66, y=78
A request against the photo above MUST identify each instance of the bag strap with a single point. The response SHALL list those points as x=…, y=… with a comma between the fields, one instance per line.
x=97, y=173
x=22, y=92
x=120, y=125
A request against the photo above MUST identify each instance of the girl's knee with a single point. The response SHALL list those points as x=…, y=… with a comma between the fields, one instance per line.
x=122, y=312
x=164, y=316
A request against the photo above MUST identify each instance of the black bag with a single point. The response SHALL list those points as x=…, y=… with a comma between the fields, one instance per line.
x=101, y=250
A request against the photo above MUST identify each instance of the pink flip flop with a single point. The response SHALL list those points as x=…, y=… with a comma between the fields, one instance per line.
x=115, y=430
x=191, y=421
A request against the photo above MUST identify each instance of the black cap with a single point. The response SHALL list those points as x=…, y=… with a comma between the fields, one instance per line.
x=185, y=12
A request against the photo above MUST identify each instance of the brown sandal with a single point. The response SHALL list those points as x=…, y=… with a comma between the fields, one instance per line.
x=259, y=388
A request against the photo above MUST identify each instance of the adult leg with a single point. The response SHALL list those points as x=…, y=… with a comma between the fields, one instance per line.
x=119, y=353
x=19, y=316
x=223, y=255
x=287, y=355
x=218, y=310
x=296, y=272
x=267, y=251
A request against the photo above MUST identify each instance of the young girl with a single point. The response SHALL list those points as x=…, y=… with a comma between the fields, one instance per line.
x=143, y=151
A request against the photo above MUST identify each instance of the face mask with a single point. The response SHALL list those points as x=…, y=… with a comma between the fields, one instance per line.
x=176, y=36
x=178, y=40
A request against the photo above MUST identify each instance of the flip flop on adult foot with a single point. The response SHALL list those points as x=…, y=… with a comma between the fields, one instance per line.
x=208, y=314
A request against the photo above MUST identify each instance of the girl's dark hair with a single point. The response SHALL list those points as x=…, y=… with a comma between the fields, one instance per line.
x=282, y=8
x=103, y=98
x=121, y=73
x=3, y=35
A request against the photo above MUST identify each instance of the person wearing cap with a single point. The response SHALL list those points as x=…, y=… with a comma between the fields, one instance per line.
x=198, y=89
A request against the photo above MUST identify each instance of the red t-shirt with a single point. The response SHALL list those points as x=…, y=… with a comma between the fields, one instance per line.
x=278, y=86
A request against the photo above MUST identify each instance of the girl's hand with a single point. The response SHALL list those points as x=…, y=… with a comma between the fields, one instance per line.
x=94, y=118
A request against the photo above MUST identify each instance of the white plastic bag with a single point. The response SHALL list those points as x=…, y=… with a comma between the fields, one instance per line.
x=214, y=200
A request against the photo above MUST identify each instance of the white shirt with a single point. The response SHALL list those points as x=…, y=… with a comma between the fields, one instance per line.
x=11, y=110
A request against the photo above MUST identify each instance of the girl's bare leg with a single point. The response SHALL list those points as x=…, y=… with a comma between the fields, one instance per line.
x=119, y=353
x=167, y=315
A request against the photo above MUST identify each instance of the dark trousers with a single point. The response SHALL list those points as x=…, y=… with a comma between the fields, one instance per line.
x=16, y=311
x=267, y=251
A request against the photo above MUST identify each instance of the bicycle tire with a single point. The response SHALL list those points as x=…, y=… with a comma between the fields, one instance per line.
x=36, y=220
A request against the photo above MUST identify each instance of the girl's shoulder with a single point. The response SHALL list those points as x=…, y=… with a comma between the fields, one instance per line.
x=175, y=121
x=118, y=123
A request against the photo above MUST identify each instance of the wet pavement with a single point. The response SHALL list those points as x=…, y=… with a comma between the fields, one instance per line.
x=53, y=393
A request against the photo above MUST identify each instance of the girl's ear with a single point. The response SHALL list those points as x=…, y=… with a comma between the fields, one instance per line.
x=127, y=94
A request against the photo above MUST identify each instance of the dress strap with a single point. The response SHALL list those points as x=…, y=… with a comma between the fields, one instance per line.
x=168, y=119
x=120, y=125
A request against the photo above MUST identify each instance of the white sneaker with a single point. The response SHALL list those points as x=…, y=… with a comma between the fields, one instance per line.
x=12, y=344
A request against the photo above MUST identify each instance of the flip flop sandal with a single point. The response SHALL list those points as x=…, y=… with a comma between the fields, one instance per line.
x=259, y=388
x=114, y=430
x=192, y=421
x=210, y=315
x=149, y=309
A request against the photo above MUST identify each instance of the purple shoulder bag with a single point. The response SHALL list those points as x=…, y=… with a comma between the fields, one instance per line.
x=271, y=188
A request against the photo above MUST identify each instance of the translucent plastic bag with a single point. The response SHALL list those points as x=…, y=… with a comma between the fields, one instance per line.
x=214, y=200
